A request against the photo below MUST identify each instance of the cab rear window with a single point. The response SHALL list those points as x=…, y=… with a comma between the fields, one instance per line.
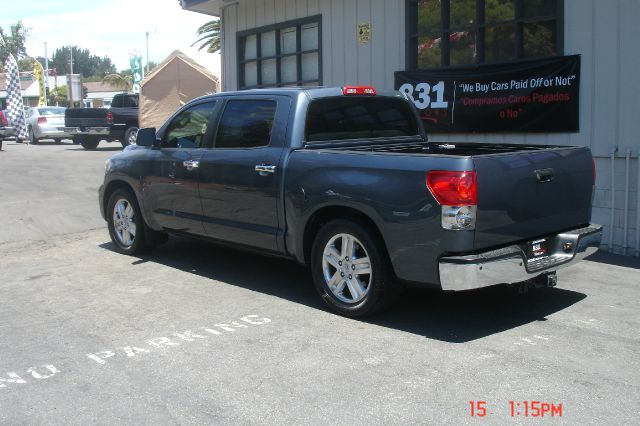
x=342, y=118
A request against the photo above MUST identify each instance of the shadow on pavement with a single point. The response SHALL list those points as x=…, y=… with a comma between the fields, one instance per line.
x=449, y=317
x=109, y=148
x=53, y=143
x=615, y=259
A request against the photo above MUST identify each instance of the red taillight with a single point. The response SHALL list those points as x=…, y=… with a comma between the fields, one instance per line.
x=5, y=123
x=453, y=188
x=358, y=90
x=109, y=117
x=593, y=170
x=42, y=120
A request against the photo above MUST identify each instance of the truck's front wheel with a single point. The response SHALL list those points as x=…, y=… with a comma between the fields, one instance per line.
x=351, y=270
x=125, y=223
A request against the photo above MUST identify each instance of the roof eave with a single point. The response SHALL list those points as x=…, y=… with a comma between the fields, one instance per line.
x=207, y=7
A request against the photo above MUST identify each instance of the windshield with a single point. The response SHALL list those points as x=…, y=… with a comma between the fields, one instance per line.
x=341, y=118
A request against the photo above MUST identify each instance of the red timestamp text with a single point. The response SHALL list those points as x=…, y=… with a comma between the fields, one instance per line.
x=480, y=408
x=535, y=409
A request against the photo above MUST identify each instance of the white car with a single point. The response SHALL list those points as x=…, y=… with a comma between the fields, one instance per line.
x=45, y=123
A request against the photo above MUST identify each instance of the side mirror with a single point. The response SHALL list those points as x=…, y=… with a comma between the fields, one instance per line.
x=147, y=137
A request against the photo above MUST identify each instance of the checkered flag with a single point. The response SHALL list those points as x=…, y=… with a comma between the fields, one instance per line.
x=15, y=107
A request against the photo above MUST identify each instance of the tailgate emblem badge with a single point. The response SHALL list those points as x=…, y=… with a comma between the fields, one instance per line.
x=544, y=175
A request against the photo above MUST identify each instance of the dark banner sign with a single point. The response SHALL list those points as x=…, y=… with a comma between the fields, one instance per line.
x=531, y=96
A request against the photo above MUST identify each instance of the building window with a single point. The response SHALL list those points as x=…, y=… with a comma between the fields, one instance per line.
x=444, y=33
x=286, y=54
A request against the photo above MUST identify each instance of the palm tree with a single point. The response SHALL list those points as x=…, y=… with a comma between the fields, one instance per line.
x=209, y=34
x=120, y=81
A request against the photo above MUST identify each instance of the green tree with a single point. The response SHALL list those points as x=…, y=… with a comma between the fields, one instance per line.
x=209, y=34
x=58, y=96
x=27, y=63
x=13, y=41
x=117, y=80
x=83, y=62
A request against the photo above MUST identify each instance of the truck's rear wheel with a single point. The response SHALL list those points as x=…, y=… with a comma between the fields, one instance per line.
x=129, y=137
x=89, y=144
x=351, y=269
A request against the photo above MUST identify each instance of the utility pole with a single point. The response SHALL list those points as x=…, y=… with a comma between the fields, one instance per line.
x=70, y=84
x=46, y=73
x=147, y=34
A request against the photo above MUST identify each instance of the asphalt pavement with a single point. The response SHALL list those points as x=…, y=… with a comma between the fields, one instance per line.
x=198, y=334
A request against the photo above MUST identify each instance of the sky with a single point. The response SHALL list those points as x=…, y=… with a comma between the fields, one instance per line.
x=113, y=28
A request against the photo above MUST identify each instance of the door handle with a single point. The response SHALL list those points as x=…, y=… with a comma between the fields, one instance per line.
x=191, y=164
x=265, y=168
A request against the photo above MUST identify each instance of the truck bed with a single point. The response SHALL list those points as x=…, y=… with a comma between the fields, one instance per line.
x=524, y=191
x=421, y=147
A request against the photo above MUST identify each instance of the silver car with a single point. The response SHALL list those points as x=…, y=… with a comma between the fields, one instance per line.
x=44, y=123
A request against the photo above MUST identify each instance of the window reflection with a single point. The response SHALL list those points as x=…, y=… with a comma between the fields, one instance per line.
x=482, y=31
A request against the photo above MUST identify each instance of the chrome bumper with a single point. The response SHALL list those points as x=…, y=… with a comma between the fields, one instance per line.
x=511, y=265
x=98, y=131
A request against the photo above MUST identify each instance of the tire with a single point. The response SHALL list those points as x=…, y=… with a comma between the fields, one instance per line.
x=125, y=223
x=89, y=144
x=129, y=137
x=76, y=140
x=336, y=277
x=32, y=137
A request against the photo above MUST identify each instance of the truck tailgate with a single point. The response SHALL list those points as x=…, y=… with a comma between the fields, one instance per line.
x=86, y=117
x=531, y=194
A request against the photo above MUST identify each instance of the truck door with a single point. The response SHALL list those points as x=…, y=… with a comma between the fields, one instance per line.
x=241, y=175
x=170, y=187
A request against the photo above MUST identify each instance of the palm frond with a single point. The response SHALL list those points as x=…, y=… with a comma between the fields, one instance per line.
x=210, y=36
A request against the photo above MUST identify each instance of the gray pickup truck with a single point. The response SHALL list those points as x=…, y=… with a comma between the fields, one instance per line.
x=344, y=181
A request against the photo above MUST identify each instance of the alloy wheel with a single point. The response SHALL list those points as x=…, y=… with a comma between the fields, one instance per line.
x=124, y=222
x=346, y=268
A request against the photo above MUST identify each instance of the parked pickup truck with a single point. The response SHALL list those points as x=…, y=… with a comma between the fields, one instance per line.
x=89, y=126
x=345, y=181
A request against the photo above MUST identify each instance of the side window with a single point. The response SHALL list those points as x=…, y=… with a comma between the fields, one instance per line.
x=187, y=129
x=246, y=124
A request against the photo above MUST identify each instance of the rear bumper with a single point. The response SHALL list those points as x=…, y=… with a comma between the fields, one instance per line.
x=510, y=264
x=90, y=131
x=50, y=132
x=7, y=132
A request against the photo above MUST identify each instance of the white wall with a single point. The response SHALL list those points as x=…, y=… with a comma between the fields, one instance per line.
x=344, y=60
x=604, y=32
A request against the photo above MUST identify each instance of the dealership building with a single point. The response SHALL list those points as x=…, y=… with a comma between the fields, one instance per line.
x=549, y=72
